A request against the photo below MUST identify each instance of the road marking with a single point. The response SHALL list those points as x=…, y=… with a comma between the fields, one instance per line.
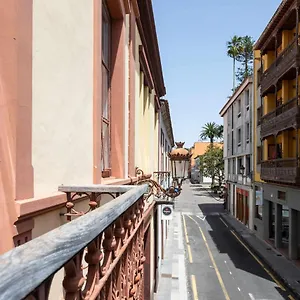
x=251, y=296
x=187, y=241
x=202, y=218
x=223, y=222
x=261, y=264
x=230, y=273
x=213, y=262
x=194, y=287
x=239, y=289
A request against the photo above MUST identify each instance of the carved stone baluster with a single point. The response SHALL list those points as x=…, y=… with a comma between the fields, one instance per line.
x=129, y=271
x=127, y=224
x=109, y=245
x=119, y=234
x=123, y=287
x=74, y=279
x=93, y=258
x=93, y=201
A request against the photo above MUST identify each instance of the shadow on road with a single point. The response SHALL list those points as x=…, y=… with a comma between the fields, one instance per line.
x=227, y=243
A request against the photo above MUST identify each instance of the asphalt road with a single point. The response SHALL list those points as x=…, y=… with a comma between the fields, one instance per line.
x=218, y=265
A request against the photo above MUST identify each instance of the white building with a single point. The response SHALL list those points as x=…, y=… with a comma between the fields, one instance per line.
x=237, y=119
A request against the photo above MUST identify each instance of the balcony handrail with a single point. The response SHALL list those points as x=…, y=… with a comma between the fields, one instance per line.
x=26, y=267
x=279, y=57
x=265, y=117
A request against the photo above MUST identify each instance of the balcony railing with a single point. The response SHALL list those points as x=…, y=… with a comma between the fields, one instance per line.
x=281, y=170
x=110, y=239
x=286, y=59
x=283, y=117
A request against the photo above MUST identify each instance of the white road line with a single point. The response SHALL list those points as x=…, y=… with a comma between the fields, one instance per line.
x=230, y=273
x=225, y=262
x=239, y=289
x=251, y=296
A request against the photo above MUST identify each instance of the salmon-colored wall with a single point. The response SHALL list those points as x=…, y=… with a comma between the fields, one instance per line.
x=199, y=148
x=132, y=58
x=118, y=99
x=97, y=107
x=16, y=174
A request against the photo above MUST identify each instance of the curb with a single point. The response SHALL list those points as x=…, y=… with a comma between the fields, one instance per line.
x=282, y=280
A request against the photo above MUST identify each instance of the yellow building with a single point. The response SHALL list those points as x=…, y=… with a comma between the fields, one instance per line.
x=276, y=142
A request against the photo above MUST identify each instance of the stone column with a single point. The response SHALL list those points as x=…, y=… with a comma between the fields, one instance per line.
x=266, y=219
x=293, y=244
x=278, y=225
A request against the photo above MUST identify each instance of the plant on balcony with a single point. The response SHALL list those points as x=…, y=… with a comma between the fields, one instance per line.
x=245, y=57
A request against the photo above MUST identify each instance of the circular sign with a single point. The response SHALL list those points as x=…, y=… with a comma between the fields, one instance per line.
x=167, y=210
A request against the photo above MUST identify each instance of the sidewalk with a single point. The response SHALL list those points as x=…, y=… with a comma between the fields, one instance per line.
x=284, y=269
x=172, y=282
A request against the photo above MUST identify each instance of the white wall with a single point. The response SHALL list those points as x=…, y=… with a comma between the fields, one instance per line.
x=62, y=136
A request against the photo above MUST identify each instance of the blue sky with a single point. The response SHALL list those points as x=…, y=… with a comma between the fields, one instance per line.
x=192, y=38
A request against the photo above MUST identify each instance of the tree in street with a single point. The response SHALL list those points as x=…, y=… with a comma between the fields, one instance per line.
x=212, y=164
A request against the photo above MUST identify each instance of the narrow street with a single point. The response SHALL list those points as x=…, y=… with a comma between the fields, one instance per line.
x=218, y=264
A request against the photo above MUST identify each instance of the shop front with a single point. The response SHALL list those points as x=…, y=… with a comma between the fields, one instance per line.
x=242, y=205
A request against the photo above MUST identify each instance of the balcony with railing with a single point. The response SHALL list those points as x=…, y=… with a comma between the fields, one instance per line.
x=288, y=58
x=284, y=170
x=103, y=254
x=283, y=117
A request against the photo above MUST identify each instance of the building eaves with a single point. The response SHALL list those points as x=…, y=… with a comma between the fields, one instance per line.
x=268, y=31
x=146, y=27
x=166, y=115
x=247, y=81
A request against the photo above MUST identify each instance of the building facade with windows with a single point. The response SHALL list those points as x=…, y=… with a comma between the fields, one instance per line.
x=237, y=122
x=80, y=104
x=277, y=75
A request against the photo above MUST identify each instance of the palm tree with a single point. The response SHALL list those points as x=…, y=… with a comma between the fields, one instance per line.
x=209, y=131
x=234, y=49
x=219, y=132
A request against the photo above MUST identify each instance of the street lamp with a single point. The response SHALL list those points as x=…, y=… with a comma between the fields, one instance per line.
x=179, y=158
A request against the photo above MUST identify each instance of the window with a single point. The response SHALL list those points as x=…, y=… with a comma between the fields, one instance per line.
x=240, y=163
x=258, y=77
x=247, y=132
x=233, y=166
x=162, y=145
x=239, y=108
x=106, y=49
x=281, y=195
x=239, y=136
x=228, y=141
x=259, y=115
x=247, y=100
x=259, y=154
x=248, y=165
x=258, y=203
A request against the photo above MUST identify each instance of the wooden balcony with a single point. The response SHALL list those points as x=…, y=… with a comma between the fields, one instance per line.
x=100, y=255
x=281, y=171
x=283, y=117
x=287, y=59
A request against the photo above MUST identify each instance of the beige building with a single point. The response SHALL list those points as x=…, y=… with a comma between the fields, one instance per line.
x=81, y=83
